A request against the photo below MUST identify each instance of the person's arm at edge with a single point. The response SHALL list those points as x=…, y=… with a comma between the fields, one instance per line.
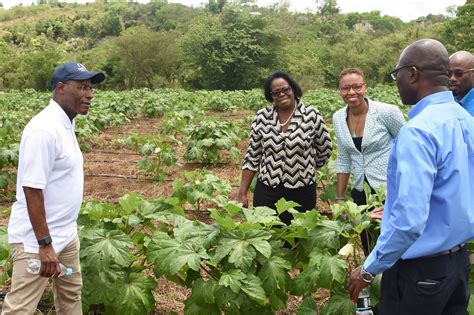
x=342, y=180
x=251, y=162
x=37, y=215
x=247, y=177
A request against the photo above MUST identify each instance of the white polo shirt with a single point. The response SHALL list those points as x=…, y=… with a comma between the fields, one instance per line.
x=51, y=160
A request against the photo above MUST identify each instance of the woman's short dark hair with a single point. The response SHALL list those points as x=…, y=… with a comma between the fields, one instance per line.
x=285, y=76
x=354, y=70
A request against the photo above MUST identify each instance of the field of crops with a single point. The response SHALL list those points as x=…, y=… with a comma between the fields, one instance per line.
x=162, y=170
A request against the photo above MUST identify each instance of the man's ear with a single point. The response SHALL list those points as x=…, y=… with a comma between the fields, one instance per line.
x=414, y=75
x=59, y=87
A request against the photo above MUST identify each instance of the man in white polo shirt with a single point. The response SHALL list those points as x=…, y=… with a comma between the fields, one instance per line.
x=49, y=193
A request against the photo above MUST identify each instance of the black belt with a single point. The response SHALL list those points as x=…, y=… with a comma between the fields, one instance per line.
x=446, y=252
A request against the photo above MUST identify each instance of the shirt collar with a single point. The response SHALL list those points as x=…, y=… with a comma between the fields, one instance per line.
x=59, y=111
x=435, y=98
x=469, y=96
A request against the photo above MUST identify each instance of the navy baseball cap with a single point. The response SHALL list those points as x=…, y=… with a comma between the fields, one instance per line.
x=74, y=71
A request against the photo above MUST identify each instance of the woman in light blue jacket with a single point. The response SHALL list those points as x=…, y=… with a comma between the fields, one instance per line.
x=364, y=131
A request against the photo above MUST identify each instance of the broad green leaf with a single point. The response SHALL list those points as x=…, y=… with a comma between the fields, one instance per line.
x=307, y=307
x=224, y=295
x=332, y=268
x=232, y=208
x=171, y=255
x=326, y=234
x=470, y=308
x=337, y=209
x=307, y=220
x=223, y=220
x=196, y=233
x=134, y=220
x=306, y=282
x=278, y=300
x=339, y=305
x=203, y=292
x=238, y=248
x=262, y=215
x=274, y=274
x=252, y=286
x=282, y=205
x=192, y=307
x=133, y=294
x=130, y=202
x=242, y=254
x=259, y=240
x=107, y=247
x=232, y=279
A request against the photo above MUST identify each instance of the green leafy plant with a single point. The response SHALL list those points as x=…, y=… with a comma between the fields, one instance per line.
x=157, y=154
x=200, y=187
x=209, y=140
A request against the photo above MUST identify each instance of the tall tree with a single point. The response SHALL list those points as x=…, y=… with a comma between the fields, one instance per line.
x=232, y=51
x=458, y=32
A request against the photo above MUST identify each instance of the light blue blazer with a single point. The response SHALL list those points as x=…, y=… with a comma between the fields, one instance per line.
x=382, y=124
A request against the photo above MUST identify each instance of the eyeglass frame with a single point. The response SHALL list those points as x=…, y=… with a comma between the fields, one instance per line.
x=285, y=90
x=352, y=87
x=457, y=72
x=394, y=73
x=83, y=88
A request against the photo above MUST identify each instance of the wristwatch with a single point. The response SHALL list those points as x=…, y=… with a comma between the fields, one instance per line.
x=366, y=276
x=47, y=240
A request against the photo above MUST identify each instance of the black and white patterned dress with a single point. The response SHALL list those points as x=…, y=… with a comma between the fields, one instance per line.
x=290, y=158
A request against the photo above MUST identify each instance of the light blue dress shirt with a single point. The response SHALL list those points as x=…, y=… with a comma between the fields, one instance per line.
x=468, y=102
x=430, y=184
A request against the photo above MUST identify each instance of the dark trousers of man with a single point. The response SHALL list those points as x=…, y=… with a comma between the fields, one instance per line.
x=427, y=285
x=268, y=196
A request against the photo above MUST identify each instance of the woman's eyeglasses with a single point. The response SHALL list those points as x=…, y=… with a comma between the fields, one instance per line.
x=285, y=90
x=356, y=87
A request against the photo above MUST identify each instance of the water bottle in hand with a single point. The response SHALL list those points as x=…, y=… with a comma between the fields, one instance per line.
x=34, y=265
x=364, y=305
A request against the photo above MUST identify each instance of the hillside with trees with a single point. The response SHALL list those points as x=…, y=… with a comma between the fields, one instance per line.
x=221, y=46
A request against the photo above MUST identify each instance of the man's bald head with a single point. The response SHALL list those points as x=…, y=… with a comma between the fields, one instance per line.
x=426, y=65
x=461, y=65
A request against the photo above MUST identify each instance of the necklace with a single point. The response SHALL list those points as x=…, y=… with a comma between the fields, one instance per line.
x=289, y=118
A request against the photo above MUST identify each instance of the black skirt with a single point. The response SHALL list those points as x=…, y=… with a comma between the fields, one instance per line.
x=267, y=196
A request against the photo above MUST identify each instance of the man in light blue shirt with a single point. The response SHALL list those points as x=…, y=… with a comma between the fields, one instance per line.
x=429, y=211
x=461, y=78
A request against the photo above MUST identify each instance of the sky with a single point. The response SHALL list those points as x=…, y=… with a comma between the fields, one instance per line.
x=406, y=10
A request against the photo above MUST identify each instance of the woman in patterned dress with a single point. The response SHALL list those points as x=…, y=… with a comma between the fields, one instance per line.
x=288, y=142
x=364, y=131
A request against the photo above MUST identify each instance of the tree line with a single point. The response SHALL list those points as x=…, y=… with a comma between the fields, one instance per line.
x=223, y=45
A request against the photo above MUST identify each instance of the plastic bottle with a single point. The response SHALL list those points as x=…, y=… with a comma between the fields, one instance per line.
x=33, y=266
x=364, y=305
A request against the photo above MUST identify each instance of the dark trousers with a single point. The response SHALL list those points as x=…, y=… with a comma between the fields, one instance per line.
x=267, y=196
x=431, y=286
